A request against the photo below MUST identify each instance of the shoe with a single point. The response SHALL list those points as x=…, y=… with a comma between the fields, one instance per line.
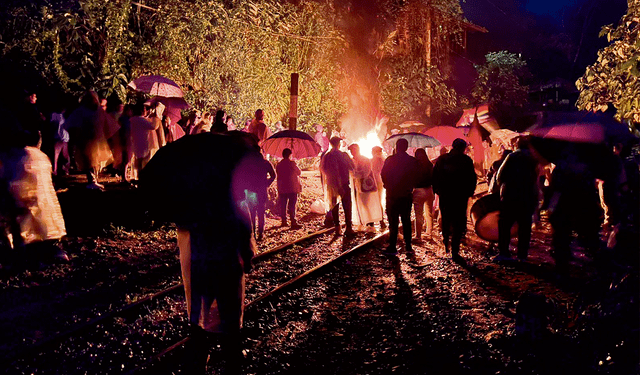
x=457, y=258
x=383, y=225
x=284, y=223
x=295, y=225
x=417, y=240
x=502, y=258
x=337, y=231
x=349, y=232
x=390, y=251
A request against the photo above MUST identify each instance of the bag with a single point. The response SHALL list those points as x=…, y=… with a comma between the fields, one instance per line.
x=368, y=184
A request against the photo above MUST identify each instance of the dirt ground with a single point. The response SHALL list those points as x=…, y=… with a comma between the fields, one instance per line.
x=385, y=315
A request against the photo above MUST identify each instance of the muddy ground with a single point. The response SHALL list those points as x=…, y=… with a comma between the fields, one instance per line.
x=382, y=314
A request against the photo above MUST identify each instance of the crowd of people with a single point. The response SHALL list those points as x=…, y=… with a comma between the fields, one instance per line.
x=126, y=137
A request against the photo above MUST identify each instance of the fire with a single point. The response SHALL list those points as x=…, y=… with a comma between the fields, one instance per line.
x=367, y=142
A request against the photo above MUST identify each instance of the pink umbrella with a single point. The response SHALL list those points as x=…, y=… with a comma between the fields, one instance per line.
x=157, y=85
x=445, y=134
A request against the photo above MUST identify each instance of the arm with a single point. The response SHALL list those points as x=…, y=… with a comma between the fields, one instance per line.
x=270, y=172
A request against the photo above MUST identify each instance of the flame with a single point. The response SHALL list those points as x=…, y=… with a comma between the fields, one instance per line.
x=367, y=142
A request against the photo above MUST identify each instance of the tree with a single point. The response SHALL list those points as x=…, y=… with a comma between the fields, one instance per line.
x=500, y=83
x=614, y=78
x=240, y=56
x=414, y=60
x=78, y=47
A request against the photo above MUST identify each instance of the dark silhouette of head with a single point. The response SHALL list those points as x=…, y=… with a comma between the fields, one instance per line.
x=259, y=115
x=421, y=156
x=335, y=142
x=286, y=153
x=402, y=145
x=459, y=145
x=355, y=149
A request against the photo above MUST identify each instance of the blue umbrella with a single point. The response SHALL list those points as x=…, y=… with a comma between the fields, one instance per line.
x=301, y=144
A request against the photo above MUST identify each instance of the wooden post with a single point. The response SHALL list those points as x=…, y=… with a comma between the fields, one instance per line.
x=293, y=106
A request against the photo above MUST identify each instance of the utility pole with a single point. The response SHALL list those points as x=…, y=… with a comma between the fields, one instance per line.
x=293, y=104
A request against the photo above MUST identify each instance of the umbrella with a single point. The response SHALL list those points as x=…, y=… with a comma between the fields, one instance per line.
x=445, y=134
x=503, y=137
x=157, y=85
x=198, y=178
x=174, y=106
x=417, y=140
x=300, y=143
x=581, y=127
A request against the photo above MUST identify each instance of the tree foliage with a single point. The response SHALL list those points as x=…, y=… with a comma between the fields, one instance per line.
x=414, y=60
x=614, y=78
x=501, y=80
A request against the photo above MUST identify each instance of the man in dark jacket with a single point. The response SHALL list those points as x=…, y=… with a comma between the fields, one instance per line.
x=399, y=176
x=517, y=182
x=454, y=180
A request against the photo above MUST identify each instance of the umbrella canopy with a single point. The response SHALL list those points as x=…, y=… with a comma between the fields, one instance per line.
x=417, y=140
x=173, y=106
x=581, y=127
x=198, y=178
x=157, y=85
x=445, y=134
x=503, y=137
x=300, y=143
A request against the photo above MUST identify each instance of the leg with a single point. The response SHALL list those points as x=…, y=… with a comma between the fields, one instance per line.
x=429, y=211
x=392, y=217
x=57, y=148
x=459, y=225
x=524, y=233
x=419, y=200
x=293, y=200
x=282, y=201
x=405, y=216
x=445, y=217
x=262, y=203
x=505, y=222
x=346, y=206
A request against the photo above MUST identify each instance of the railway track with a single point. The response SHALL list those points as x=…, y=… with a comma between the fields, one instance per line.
x=82, y=344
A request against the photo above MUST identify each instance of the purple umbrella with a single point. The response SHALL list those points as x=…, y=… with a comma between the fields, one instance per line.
x=301, y=144
x=157, y=85
x=173, y=106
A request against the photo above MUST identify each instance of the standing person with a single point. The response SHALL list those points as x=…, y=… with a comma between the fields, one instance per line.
x=377, y=162
x=517, y=179
x=336, y=166
x=366, y=205
x=89, y=129
x=288, y=187
x=399, y=177
x=279, y=127
x=144, y=139
x=454, y=180
x=125, y=132
x=573, y=205
x=259, y=128
x=230, y=124
x=219, y=124
x=61, y=141
x=156, y=121
x=321, y=137
x=266, y=176
x=423, y=195
x=32, y=120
